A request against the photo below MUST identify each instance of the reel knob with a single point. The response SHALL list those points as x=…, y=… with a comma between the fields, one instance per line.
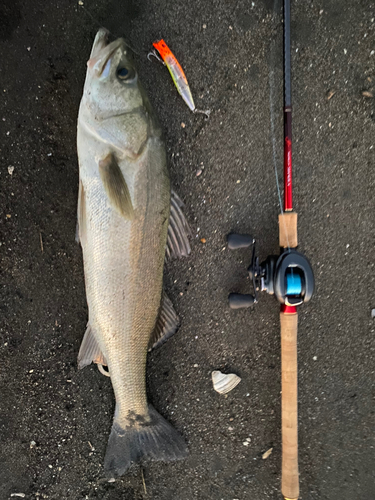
x=241, y=300
x=239, y=241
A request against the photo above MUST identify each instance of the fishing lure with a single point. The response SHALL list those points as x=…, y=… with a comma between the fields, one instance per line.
x=177, y=73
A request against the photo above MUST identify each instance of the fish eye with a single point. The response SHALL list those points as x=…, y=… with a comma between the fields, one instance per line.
x=125, y=73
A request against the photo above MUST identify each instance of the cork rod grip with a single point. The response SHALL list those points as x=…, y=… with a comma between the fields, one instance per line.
x=288, y=230
x=289, y=406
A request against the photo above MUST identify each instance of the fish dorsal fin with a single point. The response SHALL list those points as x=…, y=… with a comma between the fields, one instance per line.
x=81, y=214
x=166, y=325
x=178, y=230
x=89, y=351
x=115, y=186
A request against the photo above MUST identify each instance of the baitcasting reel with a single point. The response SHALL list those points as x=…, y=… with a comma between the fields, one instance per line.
x=288, y=276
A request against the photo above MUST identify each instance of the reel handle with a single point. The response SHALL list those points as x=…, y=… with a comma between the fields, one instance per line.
x=289, y=405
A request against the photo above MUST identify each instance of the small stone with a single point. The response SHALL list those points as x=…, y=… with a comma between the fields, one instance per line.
x=199, y=172
x=112, y=480
x=315, y=358
x=321, y=12
x=8, y=216
x=246, y=443
x=195, y=365
x=367, y=93
x=29, y=48
x=248, y=440
x=10, y=170
x=238, y=181
x=230, y=27
x=267, y=454
x=50, y=466
x=345, y=51
x=32, y=444
x=203, y=240
x=204, y=26
x=31, y=371
x=373, y=313
x=80, y=2
x=372, y=52
x=183, y=125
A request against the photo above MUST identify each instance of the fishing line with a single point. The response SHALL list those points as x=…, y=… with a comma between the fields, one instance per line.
x=96, y=21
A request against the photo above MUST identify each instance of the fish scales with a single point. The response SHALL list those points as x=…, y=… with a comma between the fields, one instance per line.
x=124, y=277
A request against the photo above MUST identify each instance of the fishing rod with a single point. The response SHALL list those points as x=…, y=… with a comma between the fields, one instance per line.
x=289, y=277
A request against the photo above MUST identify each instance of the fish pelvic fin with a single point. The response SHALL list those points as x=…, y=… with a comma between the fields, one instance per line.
x=89, y=351
x=154, y=440
x=178, y=230
x=166, y=325
x=115, y=186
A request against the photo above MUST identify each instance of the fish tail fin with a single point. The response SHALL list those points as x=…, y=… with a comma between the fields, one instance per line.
x=155, y=440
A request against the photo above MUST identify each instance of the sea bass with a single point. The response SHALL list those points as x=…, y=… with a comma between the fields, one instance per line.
x=129, y=221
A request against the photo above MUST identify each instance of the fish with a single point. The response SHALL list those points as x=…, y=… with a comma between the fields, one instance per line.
x=130, y=222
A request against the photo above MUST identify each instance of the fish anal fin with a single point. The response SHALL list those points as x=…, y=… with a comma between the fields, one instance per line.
x=166, y=325
x=89, y=351
x=178, y=231
x=115, y=186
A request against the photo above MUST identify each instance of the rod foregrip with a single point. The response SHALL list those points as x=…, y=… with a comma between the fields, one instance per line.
x=289, y=406
x=288, y=237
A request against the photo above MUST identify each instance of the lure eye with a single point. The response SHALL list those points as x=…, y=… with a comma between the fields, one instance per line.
x=123, y=73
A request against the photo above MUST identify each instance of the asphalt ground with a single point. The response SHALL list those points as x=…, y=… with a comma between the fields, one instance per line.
x=54, y=420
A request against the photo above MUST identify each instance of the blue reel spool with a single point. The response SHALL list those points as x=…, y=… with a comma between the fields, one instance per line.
x=293, y=284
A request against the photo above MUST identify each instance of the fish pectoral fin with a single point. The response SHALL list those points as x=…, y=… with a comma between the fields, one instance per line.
x=166, y=325
x=178, y=230
x=115, y=186
x=81, y=214
x=89, y=351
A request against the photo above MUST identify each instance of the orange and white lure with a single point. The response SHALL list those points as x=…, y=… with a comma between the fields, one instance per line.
x=177, y=73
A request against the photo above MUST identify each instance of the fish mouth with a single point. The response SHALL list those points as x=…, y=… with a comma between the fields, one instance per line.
x=101, y=40
x=102, y=51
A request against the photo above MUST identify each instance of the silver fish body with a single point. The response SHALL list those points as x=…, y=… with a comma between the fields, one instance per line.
x=123, y=215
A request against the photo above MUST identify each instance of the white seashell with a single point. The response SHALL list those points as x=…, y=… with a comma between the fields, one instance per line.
x=224, y=383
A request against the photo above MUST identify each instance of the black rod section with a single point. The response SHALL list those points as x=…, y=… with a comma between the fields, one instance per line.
x=287, y=57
